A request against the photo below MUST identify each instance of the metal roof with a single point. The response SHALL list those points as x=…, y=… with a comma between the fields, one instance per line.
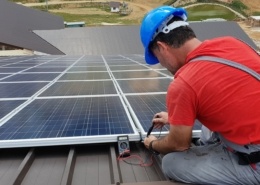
x=17, y=23
x=77, y=165
x=106, y=40
x=116, y=40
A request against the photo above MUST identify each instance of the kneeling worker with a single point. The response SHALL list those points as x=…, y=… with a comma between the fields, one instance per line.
x=217, y=82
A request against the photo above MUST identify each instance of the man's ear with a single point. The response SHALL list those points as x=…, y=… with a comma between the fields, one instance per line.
x=162, y=45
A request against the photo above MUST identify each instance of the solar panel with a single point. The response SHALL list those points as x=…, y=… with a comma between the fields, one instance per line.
x=144, y=107
x=136, y=74
x=80, y=88
x=18, y=90
x=31, y=77
x=85, y=76
x=144, y=85
x=54, y=100
x=71, y=117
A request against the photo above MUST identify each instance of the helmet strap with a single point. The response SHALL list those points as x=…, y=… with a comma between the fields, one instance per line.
x=167, y=28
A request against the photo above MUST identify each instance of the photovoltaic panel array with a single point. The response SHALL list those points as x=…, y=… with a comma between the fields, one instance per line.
x=55, y=100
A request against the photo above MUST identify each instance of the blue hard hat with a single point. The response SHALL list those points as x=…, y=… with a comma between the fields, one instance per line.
x=150, y=24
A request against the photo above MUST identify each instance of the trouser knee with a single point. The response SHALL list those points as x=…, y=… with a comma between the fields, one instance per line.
x=168, y=163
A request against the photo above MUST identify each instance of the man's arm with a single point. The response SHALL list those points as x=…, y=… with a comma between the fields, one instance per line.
x=178, y=139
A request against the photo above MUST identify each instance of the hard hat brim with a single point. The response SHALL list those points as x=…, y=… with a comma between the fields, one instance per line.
x=150, y=58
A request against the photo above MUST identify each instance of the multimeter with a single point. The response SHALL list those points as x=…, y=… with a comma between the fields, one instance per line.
x=123, y=146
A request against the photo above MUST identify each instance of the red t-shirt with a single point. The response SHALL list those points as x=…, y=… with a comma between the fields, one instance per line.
x=223, y=98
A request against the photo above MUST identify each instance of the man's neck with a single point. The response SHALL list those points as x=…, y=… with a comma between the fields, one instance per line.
x=187, y=48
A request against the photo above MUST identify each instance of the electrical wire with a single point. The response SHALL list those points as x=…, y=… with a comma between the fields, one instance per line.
x=138, y=157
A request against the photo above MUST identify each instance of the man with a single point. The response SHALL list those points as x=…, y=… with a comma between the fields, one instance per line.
x=224, y=98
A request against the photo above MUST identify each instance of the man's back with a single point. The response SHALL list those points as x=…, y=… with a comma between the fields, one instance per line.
x=223, y=98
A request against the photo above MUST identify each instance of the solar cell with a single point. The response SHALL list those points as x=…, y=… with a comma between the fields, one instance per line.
x=3, y=75
x=20, y=65
x=124, y=68
x=7, y=106
x=46, y=69
x=17, y=90
x=144, y=85
x=136, y=74
x=88, y=68
x=70, y=117
x=31, y=77
x=85, y=76
x=90, y=64
x=50, y=65
x=120, y=64
x=11, y=69
x=74, y=88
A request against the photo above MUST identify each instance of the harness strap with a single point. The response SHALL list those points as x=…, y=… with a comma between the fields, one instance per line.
x=229, y=63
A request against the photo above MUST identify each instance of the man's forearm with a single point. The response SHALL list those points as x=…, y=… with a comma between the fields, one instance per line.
x=163, y=146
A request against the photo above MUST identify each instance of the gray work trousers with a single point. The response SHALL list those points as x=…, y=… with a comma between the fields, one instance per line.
x=209, y=164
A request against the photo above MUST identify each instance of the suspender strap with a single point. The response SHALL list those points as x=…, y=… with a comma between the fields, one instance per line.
x=229, y=63
x=244, y=158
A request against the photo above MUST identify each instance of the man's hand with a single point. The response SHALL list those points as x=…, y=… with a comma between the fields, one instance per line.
x=149, y=139
x=160, y=119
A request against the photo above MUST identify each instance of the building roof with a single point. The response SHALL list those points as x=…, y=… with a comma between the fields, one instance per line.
x=17, y=23
x=256, y=17
x=107, y=40
x=113, y=40
x=114, y=4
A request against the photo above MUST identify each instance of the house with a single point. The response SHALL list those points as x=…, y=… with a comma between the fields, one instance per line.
x=115, y=6
x=254, y=21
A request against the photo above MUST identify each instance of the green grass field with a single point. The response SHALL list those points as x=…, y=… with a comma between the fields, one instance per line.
x=202, y=12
